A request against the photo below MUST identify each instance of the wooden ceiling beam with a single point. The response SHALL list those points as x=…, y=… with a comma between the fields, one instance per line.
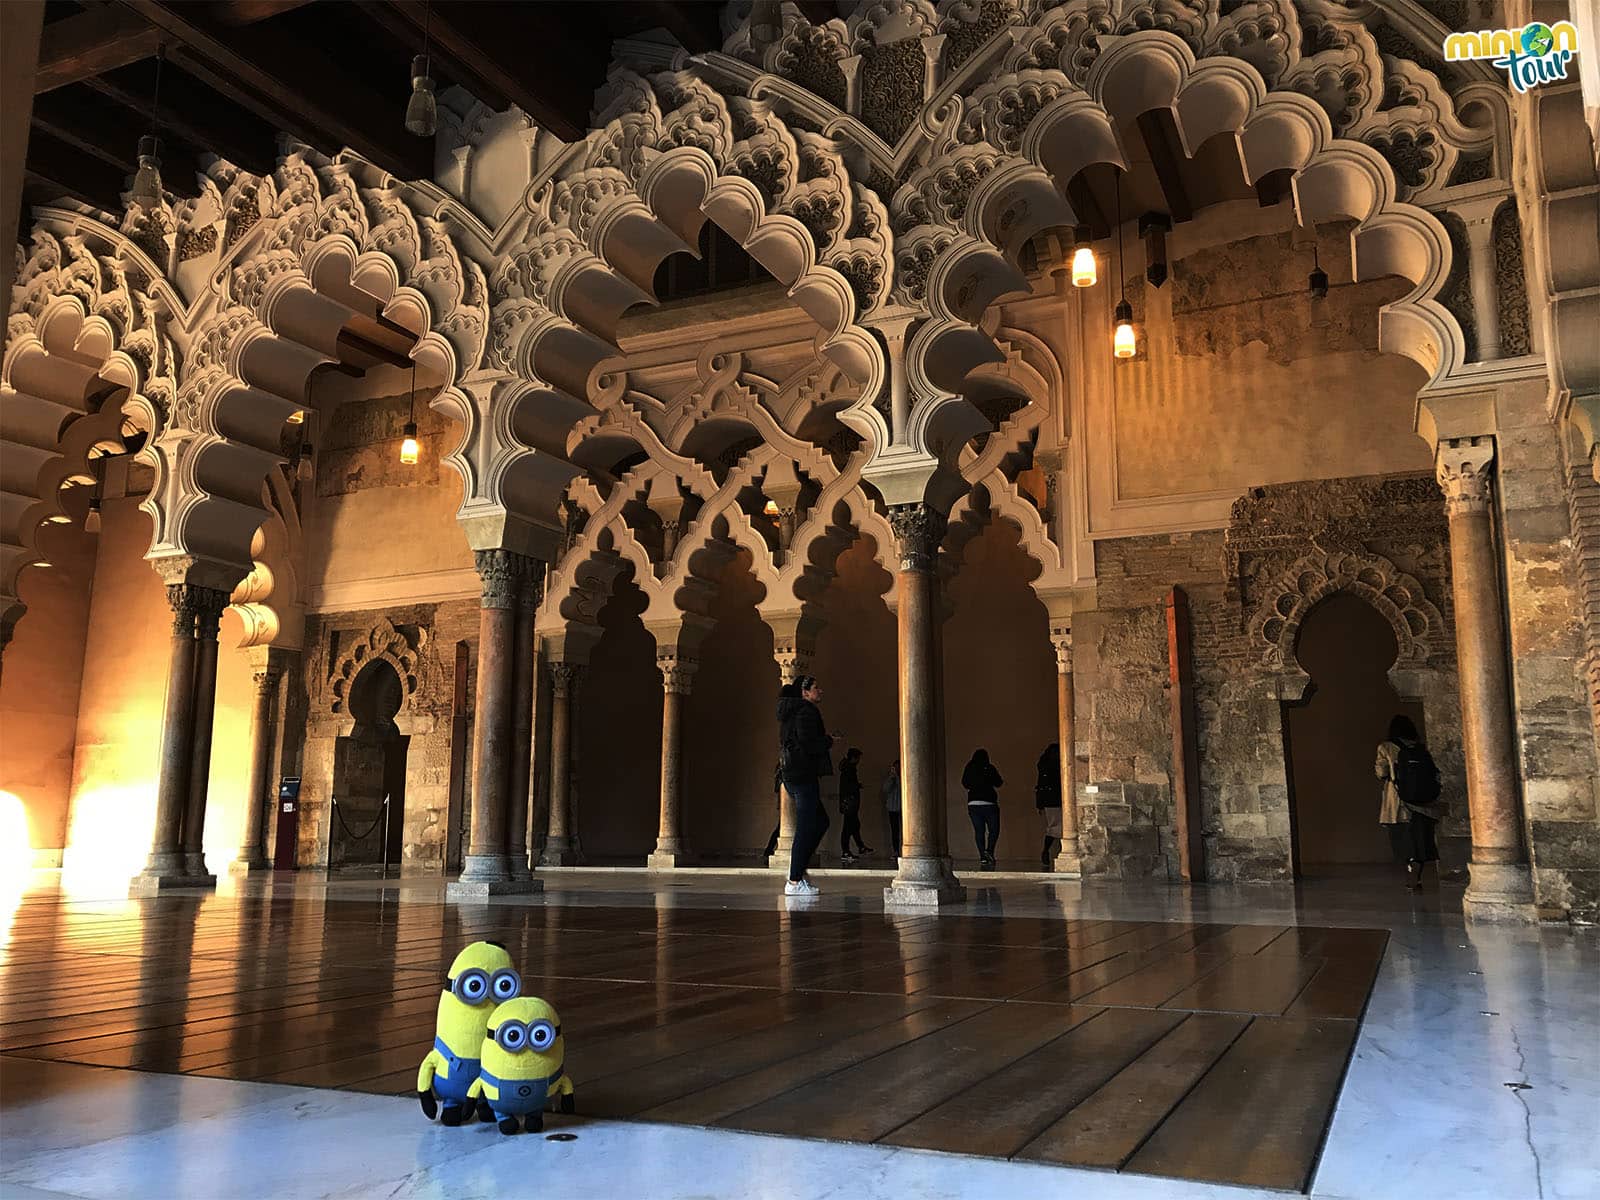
x=505, y=54
x=292, y=85
x=111, y=135
x=1166, y=156
x=91, y=44
x=66, y=170
x=1086, y=208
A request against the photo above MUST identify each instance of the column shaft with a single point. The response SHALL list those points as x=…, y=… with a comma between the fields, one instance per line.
x=253, y=847
x=1068, y=858
x=1499, y=872
x=676, y=674
x=924, y=877
x=205, y=704
x=522, y=735
x=485, y=867
x=177, y=730
x=558, y=849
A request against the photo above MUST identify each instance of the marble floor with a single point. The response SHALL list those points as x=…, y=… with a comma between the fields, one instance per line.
x=1476, y=1073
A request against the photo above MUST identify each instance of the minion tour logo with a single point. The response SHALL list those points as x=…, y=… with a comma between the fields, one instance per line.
x=1535, y=54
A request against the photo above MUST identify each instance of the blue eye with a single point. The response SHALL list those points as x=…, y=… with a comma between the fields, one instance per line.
x=542, y=1035
x=506, y=985
x=472, y=986
x=511, y=1036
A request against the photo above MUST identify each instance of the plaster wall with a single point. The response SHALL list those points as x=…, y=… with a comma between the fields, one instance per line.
x=118, y=735
x=40, y=685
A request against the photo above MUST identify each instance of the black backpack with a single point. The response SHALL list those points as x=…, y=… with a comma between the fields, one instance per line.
x=1416, y=777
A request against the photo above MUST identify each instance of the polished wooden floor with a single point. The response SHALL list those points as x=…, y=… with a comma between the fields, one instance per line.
x=1207, y=1052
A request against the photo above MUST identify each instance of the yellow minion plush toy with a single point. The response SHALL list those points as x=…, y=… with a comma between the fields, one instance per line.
x=480, y=978
x=523, y=1064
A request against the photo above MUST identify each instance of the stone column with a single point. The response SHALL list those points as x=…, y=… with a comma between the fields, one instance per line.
x=539, y=786
x=165, y=866
x=1478, y=217
x=559, y=844
x=677, y=673
x=485, y=871
x=1068, y=860
x=924, y=878
x=1500, y=883
x=208, y=615
x=263, y=735
x=522, y=729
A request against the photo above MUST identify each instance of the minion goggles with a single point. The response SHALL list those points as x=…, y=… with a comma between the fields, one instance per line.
x=474, y=986
x=513, y=1036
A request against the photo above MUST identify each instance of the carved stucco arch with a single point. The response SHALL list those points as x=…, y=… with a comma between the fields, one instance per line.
x=1023, y=193
x=1398, y=597
x=381, y=643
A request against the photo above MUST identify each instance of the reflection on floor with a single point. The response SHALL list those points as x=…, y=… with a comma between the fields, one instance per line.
x=1206, y=1048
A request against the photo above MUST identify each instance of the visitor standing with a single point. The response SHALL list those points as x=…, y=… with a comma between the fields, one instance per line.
x=981, y=780
x=777, y=794
x=889, y=792
x=1047, y=799
x=1410, y=807
x=850, y=806
x=806, y=749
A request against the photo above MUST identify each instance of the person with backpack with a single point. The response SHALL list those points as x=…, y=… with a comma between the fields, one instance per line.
x=850, y=807
x=1410, y=808
x=981, y=780
x=1047, y=799
x=806, y=754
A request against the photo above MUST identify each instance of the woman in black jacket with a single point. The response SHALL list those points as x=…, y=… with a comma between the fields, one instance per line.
x=805, y=748
x=983, y=803
x=850, y=807
x=1047, y=799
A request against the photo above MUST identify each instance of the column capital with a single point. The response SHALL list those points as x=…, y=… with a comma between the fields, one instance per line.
x=196, y=610
x=564, y=678
x=918, y=530
x=1061, y=642
x=502, y=573
x=1463, y=467
x=532, y=593
x=677, y=671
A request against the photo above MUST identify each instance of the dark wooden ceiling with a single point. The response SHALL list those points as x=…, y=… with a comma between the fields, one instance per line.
x=330, y=73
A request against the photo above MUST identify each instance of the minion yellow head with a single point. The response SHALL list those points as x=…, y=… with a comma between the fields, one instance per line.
x=480, y=977
x=525, y=1026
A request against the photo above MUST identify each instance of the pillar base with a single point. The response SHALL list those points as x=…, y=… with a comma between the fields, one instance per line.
x=1068, y=864
x=924, y=883
x=780, y=855
x=668, y=854
x=485, y=868
x=194, y=862
x=153, y=883
x=560, y=852
x=1499, y=892
x=250, y=866
x=519, y=867
x=468, y=891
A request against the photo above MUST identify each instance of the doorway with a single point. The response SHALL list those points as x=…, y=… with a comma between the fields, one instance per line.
x=368, y=765
x=1331, y=736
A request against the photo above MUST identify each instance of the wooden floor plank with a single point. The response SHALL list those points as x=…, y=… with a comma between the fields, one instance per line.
x=1258, y=1116
x=1110, y=1124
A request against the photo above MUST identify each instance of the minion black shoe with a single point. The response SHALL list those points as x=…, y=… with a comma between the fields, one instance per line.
x=508, y=1125
x=451, y=1115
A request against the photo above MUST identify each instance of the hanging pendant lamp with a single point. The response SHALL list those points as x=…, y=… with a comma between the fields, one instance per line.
x=422, y=114
x=1084, y=273
x=147, y=190
x=1123, y=342
x=409, y=449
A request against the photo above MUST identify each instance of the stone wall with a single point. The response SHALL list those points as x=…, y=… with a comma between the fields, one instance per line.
x=419, y=642
x=1288, y=546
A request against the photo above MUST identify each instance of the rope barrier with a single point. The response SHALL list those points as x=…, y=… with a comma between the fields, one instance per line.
x=355, y=837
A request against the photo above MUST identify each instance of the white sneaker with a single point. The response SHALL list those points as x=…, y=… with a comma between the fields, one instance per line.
x=802, y=887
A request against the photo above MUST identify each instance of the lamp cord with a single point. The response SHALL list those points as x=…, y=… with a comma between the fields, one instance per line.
x=161, y=55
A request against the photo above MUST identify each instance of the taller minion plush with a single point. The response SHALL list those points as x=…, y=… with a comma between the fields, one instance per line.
x=480, y=978
x=524, y=1064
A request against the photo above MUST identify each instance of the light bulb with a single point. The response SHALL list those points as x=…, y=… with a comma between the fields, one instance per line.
x=422, y=117
x=1083, y=268
x=408, y=447
x=305, y=469
x=147, y=181
x=771, y=510
x=91, y=519
x=1123, y=343
x=297, y=417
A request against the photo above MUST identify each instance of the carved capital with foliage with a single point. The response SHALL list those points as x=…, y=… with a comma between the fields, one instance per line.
x=1464, y=467
x=918, y=530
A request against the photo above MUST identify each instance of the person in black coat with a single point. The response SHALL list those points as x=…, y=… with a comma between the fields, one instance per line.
x=981, y=780
x=850, y=806
x=1047, y=799
x=806, y=750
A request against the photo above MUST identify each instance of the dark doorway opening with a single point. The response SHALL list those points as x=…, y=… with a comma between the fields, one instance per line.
x=368, y=766
x=1331, y=737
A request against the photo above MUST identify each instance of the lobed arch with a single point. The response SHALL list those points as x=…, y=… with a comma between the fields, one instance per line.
x=1024, y=193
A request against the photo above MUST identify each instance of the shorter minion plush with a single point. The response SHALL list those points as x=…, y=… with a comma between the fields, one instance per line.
x=523, y=1064
x=480, y=978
